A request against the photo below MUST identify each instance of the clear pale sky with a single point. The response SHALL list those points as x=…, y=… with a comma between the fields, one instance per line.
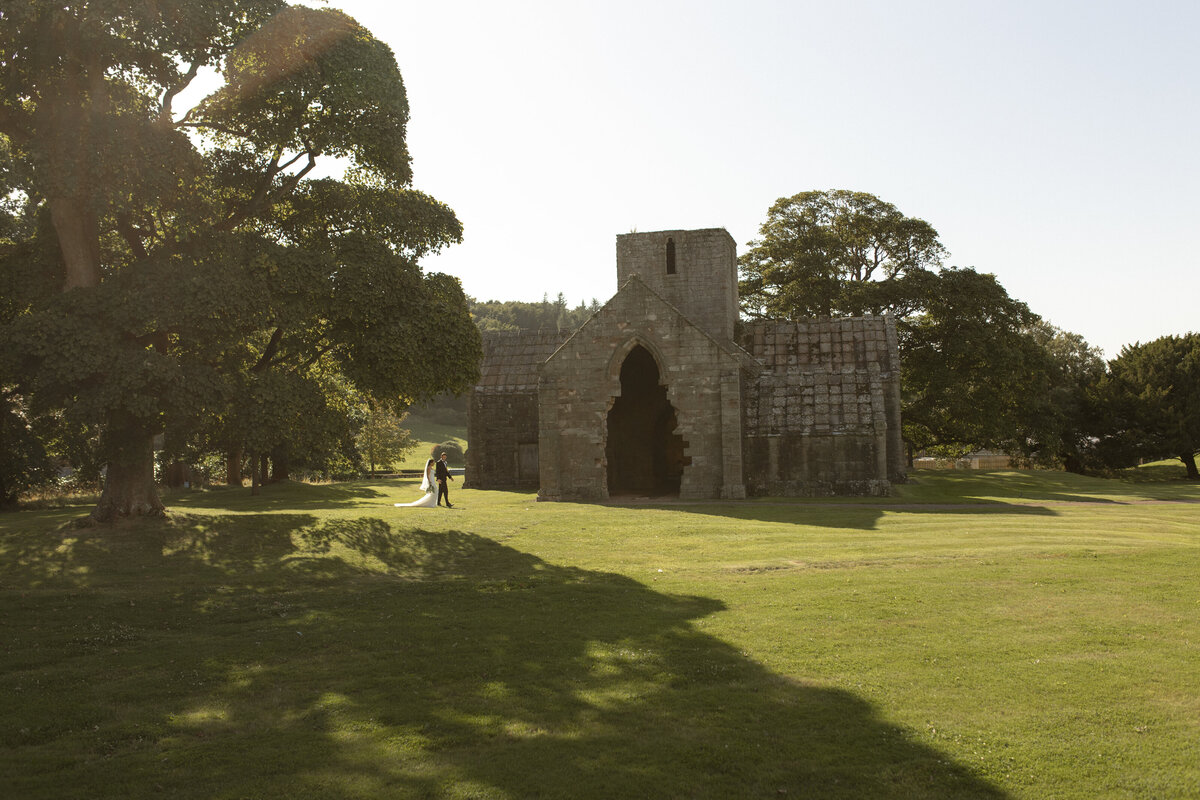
x=1052, y=143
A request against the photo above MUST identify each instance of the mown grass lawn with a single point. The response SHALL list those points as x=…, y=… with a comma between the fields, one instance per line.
x=979, y=635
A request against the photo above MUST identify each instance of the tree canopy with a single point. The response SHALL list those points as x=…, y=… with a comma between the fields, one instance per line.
x=185, y=270
x=382, y=440
x=502, y=315
x=834, y=252
x=980, y=370
x=1062, y=408
x=969, y=371
x=1151, y=402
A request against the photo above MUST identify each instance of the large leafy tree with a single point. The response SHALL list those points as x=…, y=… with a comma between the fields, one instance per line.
x=834, y=252
x=184, y=268
x=381, y=439
x=1064, y=415
x=977, y=371
x=1151, y=400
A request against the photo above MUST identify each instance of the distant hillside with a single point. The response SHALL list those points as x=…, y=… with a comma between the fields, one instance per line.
x=442, y=419
x=510, y=315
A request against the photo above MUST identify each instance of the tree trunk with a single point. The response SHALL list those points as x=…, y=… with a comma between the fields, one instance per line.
x=233, y=467
x=73, y=104
x=1189, y=463
x=129, y=489
x=264, y=468
x=279, y=464
x=75, y=226
x=176, y=474
x=255, y=474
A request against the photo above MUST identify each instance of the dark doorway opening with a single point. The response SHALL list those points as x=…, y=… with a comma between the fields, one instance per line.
x=645, y=455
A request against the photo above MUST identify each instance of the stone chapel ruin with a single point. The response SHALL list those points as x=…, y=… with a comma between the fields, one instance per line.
x=662, y=392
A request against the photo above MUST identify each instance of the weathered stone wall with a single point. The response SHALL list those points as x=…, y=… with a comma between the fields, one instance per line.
x=502, y=418
x=823, y=418
x=581, y=381
x=704, y=284
x=502, y=441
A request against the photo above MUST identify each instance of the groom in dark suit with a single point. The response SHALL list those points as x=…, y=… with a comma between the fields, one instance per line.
x=442, y=474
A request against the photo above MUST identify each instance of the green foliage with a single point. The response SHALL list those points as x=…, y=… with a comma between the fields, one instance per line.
x=834, y=252
x=980, y=370
x=455, y=456
x=381, y=440
x=1064, y=429
x=215, y=291
x=1151, y=402
x=973, y=375
x=445, y=409
x=24, y=462
x=511, y=315
x=427, y=434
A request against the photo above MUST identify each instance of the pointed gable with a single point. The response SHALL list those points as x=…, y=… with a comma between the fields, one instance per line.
x=638, y=312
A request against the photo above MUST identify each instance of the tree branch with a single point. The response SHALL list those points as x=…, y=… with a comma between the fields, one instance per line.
x=263, y=196
x=269, y=353
x=164, y=114
x=131, y=235
x=316, y=357
x=290, y=184
x=261, y=192
x=187, y=122
x=294, y=159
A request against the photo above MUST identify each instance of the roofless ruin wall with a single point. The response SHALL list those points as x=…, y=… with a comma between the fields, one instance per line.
x=823, y=418
x=502, y=417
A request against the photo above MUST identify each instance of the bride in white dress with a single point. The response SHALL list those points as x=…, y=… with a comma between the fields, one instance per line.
x=428, y=486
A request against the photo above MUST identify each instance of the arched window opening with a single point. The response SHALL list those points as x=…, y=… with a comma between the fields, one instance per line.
x=670, y=256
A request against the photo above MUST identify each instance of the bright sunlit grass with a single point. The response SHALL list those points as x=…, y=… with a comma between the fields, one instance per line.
x=1005, y=634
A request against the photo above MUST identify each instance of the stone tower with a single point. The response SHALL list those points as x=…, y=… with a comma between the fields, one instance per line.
x=695, y=271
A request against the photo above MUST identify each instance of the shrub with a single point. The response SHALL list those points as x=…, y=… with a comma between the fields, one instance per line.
x=24, y=463
x=454, y=453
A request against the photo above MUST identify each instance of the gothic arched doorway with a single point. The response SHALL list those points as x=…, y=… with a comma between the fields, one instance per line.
x=645, y=455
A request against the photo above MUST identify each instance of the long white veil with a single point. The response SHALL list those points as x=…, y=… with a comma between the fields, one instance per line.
x=427, y=498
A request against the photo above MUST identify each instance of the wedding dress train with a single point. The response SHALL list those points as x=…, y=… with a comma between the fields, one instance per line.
x=429, y=487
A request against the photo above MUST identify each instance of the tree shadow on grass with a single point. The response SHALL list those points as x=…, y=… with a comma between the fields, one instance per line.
x=855, y=516
x=1045, y=486
x=283, y=495
x=967, y=492
x=350, y=659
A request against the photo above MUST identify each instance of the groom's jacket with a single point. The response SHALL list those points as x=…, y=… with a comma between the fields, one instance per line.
x=440, y=472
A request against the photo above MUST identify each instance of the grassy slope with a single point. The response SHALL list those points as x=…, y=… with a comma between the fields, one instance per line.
x=316, y=642
x=426, y=434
